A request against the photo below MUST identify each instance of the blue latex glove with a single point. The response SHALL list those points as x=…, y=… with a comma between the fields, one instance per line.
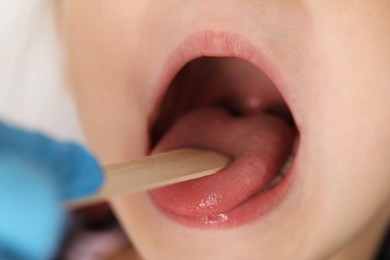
x=36, y=175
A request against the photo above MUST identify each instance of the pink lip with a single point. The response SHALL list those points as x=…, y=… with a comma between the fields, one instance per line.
x=226, y=44
x=252, y=209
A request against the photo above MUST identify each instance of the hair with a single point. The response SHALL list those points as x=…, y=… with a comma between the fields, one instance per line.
x=32, y=88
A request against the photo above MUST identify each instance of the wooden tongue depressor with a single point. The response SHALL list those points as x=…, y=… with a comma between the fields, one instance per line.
x=155, y=171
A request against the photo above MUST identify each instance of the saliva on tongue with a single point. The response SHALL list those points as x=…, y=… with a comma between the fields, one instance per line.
x=258, y=143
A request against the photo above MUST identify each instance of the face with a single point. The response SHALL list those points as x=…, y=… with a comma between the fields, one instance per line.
x=141, y=86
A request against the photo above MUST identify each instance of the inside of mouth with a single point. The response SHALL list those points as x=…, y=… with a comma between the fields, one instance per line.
x=229, y=105
x=229, y=83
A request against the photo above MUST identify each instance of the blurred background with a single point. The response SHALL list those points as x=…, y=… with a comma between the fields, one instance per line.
x=33, y=95
x=32, y=88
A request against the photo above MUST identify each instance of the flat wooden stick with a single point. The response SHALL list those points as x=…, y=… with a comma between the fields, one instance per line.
x=156, y=171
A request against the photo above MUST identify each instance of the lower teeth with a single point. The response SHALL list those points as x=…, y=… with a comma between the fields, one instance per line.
x=282, y=173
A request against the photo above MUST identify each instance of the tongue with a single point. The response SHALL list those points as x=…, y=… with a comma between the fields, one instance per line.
x=259, y=145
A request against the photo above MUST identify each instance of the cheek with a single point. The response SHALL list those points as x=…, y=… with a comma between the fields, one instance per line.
x=348, y=131
x=352, y=101
x=110, y=90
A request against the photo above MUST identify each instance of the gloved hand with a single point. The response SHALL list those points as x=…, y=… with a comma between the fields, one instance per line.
x=36, y=175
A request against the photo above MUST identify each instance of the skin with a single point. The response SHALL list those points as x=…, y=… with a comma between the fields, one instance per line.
x=335, y=58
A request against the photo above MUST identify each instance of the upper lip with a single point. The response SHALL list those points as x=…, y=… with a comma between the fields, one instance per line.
x=217, y=44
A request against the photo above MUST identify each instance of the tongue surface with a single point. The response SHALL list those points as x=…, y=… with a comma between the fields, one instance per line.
x=259, y=144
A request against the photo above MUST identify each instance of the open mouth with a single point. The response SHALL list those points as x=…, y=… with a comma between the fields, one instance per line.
x=228, y=105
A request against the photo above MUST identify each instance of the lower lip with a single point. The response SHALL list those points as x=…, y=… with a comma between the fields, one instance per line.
x=255, y=208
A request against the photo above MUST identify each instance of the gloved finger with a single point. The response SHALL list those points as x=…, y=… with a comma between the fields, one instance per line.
x=79, y=169
x=31, y=217
x=73, y=167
